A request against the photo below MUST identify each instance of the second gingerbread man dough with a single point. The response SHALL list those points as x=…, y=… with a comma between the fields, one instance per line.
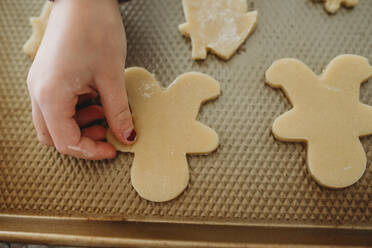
x=165, y=121
x=327, y=115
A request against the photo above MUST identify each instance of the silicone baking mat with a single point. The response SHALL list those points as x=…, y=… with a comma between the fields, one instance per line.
x=250, y=179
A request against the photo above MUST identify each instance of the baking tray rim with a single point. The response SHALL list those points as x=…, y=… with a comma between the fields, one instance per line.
x=87, y=232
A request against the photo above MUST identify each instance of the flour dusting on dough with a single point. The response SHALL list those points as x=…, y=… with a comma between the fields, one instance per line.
x=146, y=89
x=219, y=26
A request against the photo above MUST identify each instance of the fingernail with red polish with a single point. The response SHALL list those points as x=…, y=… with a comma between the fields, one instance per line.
x=130, y=135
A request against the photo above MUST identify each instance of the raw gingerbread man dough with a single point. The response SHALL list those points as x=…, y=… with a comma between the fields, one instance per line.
x=167, y=130
x=220, y=26
x=327, y=115
x=39, y=25
x=333, y=5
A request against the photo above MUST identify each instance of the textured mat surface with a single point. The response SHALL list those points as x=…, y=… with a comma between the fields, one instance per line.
x=251, y=179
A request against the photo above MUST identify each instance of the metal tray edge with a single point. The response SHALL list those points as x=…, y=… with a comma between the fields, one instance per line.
x=140, y=234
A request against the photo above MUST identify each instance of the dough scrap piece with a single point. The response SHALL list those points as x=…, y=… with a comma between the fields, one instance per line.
x=165, y=121
x=327, y=115
x=39, y=25
x=333, y=5
x=219, y=26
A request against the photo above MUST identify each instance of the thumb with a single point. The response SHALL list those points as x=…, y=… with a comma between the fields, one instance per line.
x=116, y=108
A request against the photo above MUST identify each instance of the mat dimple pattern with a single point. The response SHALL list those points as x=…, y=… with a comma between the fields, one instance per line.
x=251, y=179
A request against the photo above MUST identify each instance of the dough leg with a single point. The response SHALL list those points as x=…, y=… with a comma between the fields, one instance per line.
x=155, y=180
x=337, y=163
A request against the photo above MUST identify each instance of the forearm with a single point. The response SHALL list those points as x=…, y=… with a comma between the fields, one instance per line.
x=94, y=18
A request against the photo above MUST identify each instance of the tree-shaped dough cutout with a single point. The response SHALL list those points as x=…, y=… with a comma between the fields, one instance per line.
x=219, y=26
x=165, y=121
x=327, y=115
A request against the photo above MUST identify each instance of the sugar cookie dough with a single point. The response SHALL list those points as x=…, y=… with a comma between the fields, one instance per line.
x=219, y=26
x=167, y=130
x=327, y=115
x=333, y=5
x=39, y=25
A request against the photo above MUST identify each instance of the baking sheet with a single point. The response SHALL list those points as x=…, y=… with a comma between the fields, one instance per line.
x=252, y=179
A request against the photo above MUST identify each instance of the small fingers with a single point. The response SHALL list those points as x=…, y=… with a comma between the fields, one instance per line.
x=59, y=115
x=95, y=132
x=115, y=104
x=40, y=126
x=87, y=148
x=89, y=114
x=68, y=140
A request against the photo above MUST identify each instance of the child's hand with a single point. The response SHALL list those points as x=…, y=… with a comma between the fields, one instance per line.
x=82, y=53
